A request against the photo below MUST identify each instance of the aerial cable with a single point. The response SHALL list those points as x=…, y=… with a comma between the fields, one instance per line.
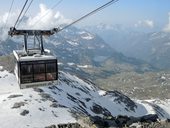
x=21, y=13
x=25, y=12
x=13, y=31
x=9, y=13
x=47, y=12
x=89, y=14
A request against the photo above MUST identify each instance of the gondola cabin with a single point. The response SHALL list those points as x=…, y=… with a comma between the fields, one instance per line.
x=34, y=69
x=34, y=65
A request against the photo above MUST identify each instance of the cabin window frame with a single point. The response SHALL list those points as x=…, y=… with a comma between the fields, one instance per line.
x=45, y=72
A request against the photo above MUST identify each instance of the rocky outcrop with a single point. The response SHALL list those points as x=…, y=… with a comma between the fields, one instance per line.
x=15, y=96
x=123, y=121
x=18, y=104
x=24, y=112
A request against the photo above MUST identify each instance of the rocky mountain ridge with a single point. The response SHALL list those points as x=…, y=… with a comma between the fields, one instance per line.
x=66, y=100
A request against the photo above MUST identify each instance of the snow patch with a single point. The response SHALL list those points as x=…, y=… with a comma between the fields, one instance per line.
x=1, y=67
x=60, y=63
x=84, y=66
x=102, y=92
x=72, y=43
x=82, y=32
x=87, y=36
x=71, y=64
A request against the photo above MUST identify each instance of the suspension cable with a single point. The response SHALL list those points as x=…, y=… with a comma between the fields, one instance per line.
x=24, y=13
x=20, y=13
x=89, y=14
x=9, y=13
x=47, y=12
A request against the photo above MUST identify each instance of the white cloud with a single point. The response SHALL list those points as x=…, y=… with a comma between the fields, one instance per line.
x=6, y=24
x=167, y=27
x=145, y=23
x=48, y=20
x=43, y=18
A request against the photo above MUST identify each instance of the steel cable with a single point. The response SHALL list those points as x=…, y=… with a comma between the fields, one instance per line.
x=89, y=14
x=24, y=13
x=20, y=13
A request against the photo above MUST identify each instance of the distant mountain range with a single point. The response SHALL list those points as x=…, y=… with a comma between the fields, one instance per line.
x=152, y=47
x=81, y=51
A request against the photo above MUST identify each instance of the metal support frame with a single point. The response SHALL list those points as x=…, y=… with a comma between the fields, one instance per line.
x=38, y=34
x=42, y=46
x=25, y=43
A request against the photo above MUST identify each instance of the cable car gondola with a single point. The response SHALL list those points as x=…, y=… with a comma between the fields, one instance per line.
x=36, y=66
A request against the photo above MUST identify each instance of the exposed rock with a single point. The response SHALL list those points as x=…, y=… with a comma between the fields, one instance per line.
x=122, y=120
x=51, y=126
x=46, y=97
x=133, y=120
x=41, y=109
x=87, y=99
x=54, y=113
x=18, y=104
x=100, y=122
x=24, y=112
x=125, y=121
x=168, y=120
x=149, y=118
x=97, y=109
x=15, y=95
x=54, y=105
x=69, y=125
x=38, y=90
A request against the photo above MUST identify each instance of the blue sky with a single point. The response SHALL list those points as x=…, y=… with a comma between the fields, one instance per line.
x=125, y=12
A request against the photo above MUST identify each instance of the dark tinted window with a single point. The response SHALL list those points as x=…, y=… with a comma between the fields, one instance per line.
x=26, y=74
x=37, y=71
x=26, y=69
x=39, y=68
x=51, y=67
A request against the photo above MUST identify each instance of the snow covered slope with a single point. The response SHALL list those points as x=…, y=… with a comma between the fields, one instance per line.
x=59, y=103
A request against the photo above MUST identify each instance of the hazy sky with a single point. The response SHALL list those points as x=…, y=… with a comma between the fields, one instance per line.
x=137, y=13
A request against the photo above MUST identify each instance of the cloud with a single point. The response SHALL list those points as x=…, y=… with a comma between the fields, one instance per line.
x=167, y=27
x=6, y=24
x=145, y=23
x=44, y=19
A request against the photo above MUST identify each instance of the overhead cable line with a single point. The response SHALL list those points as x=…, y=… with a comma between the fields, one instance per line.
x=14, y=31
x=9, y=13
x=47, y=12
x=25, y=13
x=89, y=14
x=20, y=13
